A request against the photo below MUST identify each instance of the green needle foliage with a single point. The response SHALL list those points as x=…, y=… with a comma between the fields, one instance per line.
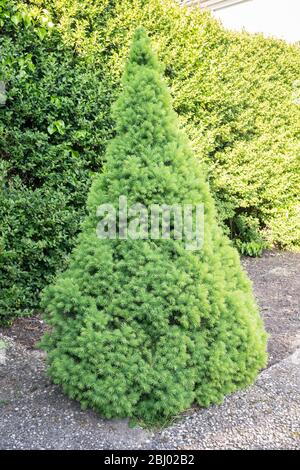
x=144, y=328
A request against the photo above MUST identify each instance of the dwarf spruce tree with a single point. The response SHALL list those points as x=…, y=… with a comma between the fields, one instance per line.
x=144, y=327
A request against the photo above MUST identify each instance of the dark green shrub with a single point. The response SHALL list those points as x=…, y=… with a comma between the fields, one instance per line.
x=52, y=136
x=143, y=327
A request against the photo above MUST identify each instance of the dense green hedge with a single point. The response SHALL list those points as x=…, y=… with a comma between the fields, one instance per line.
x=235, y=95
x=52, y=136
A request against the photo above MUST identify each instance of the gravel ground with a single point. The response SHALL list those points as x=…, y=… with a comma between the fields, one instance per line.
x=34, y=414
x=265, y=416
x=276, y=280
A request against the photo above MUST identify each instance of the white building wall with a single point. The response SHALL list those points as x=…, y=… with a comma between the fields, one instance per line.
x=279, y=18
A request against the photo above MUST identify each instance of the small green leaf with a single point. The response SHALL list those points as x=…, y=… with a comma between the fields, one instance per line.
x=51, y=129
x=57, y=126
x=41, y=32
x=27, y=19
x=74, y=153
x=16, y=19
x=60, y=126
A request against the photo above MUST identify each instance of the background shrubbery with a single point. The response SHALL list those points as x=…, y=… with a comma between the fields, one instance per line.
x=234, y=93
x=52, y=136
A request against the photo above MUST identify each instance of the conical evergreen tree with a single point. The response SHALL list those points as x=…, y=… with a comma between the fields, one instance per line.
x=144, y=328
